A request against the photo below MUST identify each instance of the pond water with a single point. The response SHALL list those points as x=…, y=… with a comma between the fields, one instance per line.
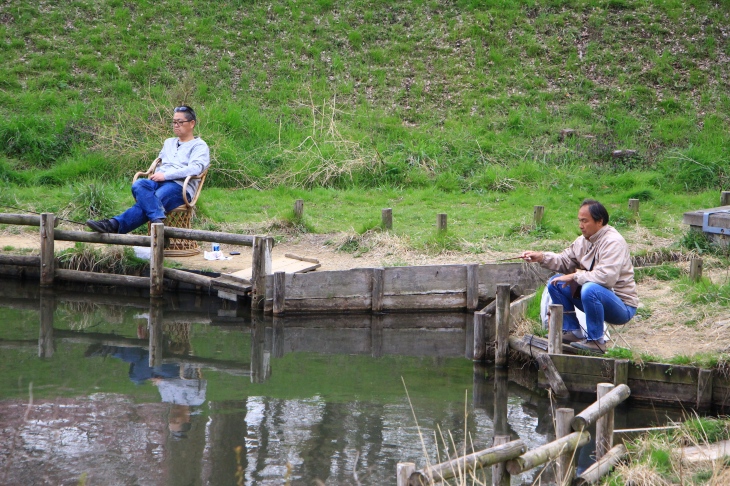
x=109, y=388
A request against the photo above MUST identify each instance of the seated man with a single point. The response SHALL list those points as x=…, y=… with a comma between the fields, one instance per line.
x=183, y=155
x=598, y=278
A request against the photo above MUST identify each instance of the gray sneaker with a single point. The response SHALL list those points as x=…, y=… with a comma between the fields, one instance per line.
x=591, y=346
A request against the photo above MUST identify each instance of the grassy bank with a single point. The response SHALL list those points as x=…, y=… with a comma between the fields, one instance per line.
x=463, y=96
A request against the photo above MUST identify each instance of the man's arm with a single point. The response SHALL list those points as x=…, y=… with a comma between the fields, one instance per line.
x=197, y=162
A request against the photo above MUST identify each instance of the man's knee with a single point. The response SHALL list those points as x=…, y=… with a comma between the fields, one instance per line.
x=143, y=185
x=589, y=290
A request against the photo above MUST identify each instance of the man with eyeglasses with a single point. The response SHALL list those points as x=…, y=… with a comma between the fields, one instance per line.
x=181, y=156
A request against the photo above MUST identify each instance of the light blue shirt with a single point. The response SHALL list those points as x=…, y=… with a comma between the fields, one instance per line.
x=182, y=159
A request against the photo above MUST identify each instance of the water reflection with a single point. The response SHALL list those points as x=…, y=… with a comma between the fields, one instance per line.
x=185, y=391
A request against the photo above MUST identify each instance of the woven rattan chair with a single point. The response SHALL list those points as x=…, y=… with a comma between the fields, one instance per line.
x=181, y=216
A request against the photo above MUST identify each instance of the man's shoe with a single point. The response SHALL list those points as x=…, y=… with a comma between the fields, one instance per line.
x=153, y=221
x=103, y=226
x=591, y=346
x=570, y=337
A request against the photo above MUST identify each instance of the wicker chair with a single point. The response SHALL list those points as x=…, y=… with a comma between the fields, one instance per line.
x=181, y=216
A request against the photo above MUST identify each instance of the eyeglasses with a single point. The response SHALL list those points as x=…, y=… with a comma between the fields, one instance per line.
x=180, y=122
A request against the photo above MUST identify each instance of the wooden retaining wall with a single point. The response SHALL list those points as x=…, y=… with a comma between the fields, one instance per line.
x=392, y=289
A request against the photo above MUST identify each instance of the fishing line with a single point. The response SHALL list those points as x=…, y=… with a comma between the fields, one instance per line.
x=29, y=211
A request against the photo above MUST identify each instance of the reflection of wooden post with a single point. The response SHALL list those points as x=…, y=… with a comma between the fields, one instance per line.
x=279, y=293
x=537, y=214
x=260, y=268
x=500, y=475
x=695, y=269
x=634, y=206
x=555, y=329
x=472, y=286
x=45, y=338
x=441, y=221
x=502, y=319
x=376, y=335
x=299, y=208
x=604, y=425
x=154, y=328
x=387, y=217
x=500, y=403
x=562, y=428
x=277, y=336
x=480, y=390
x=260, y=358
x=725, y=198
x=48, y=259
x=403, y=472
x=157, y=258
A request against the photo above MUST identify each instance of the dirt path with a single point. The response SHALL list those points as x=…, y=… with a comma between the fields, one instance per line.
x=667, y=327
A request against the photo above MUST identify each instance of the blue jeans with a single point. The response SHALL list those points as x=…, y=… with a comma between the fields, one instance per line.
x=154, y=199
x=599, y=304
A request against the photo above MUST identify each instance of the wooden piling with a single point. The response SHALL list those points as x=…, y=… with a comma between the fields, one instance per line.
x=377, y=293
x=555, y=329
x=725, y=198
x=299, y=208
x=403, y=472
x=537, y=214
x=621, y=372
x=502, y=325
x=563, y=417
x=279, y=293
x=48, y=257
x=157, y=258
x=441, y=222
x=387, y=218
x=695, y=269
x=500, y=475
x=261, y=267
x=480, y=343
x=472, y=286
x=634, y=206
x=604, y=424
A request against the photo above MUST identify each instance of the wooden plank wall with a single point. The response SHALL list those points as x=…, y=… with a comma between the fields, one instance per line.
x=392, y=289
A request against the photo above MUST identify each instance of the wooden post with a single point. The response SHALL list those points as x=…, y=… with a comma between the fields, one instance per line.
x=725, y=198
x=260, y=268
x=154, y=329
x=537, y=214
x=48, y=258
x=480, y=343
x=604, y=425
x=634, y=206
x=157, y=258
x=621, y=372
x=501, y=403
x=45, y=337
x=403, y=472
x=279, y=293
x=377, y=293
x=695, y=269
x=555, y=329
x=502, y=324
x=563, y=417
x=387, y=217
x=472, y=286
x=500, y=475
x=441, y=221
x=299, y=208
x=704, y=389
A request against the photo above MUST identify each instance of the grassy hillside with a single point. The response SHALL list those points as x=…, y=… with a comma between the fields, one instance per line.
x=460, y=95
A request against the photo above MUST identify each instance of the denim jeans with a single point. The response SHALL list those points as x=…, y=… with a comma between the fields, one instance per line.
x=153, y=200
x=599, y=304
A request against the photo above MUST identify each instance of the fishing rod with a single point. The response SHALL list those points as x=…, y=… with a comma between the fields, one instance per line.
x=33, y=212
x=509, y=259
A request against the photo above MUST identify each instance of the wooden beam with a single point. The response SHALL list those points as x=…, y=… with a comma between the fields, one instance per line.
x=108, y=238
x=600, y=408
x=556, y=382
x=601, y=467
x=102, y=278
x=547, y=452
x=23, y=219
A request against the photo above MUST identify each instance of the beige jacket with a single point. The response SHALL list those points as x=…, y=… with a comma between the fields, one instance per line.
x=605, y=260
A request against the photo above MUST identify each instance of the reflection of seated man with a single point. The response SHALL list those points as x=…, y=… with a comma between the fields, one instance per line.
x=183, y=155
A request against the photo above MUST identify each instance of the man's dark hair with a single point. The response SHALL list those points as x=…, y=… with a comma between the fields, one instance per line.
x=187, y=111
x=597, y=210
